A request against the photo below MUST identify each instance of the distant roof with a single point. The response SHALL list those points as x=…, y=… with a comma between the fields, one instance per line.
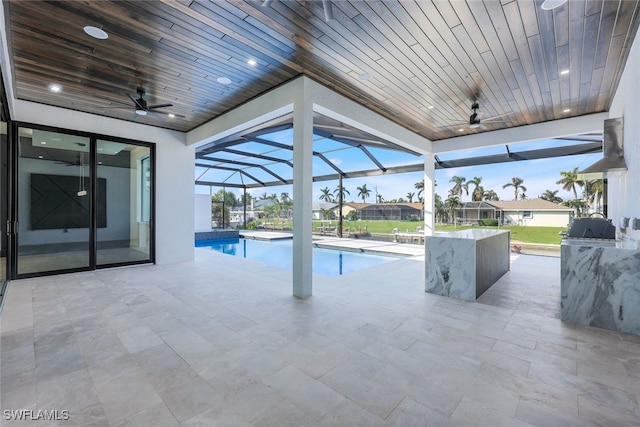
x=529, y=205
x=477, y=205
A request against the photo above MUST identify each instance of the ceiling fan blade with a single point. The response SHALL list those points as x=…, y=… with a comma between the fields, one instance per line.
x=151, y=107
x=166, y=112
x=493, y=117
x=135, y=102
x=495, y=121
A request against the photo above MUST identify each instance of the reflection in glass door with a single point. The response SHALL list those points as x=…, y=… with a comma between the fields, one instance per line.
x=124, y=173
x=54, y=201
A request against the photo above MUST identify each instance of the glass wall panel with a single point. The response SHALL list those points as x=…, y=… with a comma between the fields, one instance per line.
x=124, y=186
x=54, y=201
x=4, y=188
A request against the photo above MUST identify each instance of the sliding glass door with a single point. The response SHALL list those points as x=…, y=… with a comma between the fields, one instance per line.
x=54, y=201
x=83, y=202
x=124, y=196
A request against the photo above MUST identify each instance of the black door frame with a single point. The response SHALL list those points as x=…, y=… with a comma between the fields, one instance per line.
x=13, y=159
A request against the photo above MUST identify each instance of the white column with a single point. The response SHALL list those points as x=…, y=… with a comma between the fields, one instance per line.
x=429, y=195
x=302, y=192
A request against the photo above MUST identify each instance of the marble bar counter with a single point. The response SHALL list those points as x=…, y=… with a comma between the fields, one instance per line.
x=464, y=264
x=600, y=285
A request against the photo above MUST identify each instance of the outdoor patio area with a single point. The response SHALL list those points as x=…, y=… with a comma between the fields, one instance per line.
x=221, y=341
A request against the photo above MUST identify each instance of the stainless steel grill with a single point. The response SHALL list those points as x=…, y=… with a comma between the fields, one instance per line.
x=591, y=228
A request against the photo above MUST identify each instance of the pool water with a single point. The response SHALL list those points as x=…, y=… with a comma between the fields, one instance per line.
x=279, y=254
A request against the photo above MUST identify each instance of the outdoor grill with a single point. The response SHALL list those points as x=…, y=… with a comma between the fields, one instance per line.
x=591, y=228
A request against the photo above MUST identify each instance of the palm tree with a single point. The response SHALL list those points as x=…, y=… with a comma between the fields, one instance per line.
x=420, y=187
x=516, y=183
x=340, y=192
x=379, y=198
x=523, y=196
x=326, y=195
x=458, y=184
x=596, y=188
x=551, y=196
x=284, y=198
x=569, y=181
x=264, y=196
x=478, y=191
x=363, y=192
x=410, y=197
x=490, y=195
x=452, y=202
x=440, y=209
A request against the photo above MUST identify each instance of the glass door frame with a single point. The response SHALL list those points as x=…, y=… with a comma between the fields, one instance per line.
x=13, y=214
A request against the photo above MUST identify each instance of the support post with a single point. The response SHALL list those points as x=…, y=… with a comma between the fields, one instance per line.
x=340, y=201
x=429, y=195
x=302, y=191
x=244, y=207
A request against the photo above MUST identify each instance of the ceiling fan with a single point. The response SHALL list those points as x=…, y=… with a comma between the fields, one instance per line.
x=142, y=108
x=476, y=121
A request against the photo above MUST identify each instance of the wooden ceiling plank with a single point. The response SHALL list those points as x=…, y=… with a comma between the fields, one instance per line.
x=471, y=25
x=575, y=23
x=605, y=33
x=524, y=65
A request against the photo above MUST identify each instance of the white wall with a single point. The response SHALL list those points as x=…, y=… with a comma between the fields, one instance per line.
x=539, y=218
x=202, y=220
x=623, y=187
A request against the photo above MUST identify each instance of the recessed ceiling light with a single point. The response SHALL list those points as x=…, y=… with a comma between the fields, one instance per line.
x=171, y=115
x=99, y=163
x=552, y=4
x=141, y=112
x=460, y=130
x=365, y=76
x=40, y=157
x=430, y=107
x=223, y=80
x=564, y=72
x=55, y=88
x=43, y=142
x=566, y=110
x=252, y=62
x=96, y=33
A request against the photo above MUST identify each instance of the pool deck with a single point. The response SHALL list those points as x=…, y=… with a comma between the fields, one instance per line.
x=345, y=244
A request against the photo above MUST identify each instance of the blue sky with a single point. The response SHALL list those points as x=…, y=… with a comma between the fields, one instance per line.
x=538, y=175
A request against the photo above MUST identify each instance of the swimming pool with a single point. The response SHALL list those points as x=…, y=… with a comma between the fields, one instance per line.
x=279, y=254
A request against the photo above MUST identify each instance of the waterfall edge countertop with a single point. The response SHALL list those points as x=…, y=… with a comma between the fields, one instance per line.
x=463, y=264
x=600, y=284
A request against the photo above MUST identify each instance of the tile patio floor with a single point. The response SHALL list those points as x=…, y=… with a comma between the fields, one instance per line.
x=221, y=342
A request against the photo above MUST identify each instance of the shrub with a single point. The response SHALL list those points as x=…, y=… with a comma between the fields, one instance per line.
x=488, y=222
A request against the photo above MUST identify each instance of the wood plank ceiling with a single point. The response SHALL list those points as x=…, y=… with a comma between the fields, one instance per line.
x=419, y=63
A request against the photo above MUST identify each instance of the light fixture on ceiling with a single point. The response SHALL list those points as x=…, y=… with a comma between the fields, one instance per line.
x=55, y=88
x=141, y=112
x=552, y=4
x=96, y=33
x=223, y=80
x=564, y=72
x=365, y=76
x=430, y=107
x=460, y=130
x=566, y=110
x=252, y=62
x=171, y=115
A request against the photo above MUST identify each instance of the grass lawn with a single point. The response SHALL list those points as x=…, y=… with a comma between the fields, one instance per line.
x=545, y=235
